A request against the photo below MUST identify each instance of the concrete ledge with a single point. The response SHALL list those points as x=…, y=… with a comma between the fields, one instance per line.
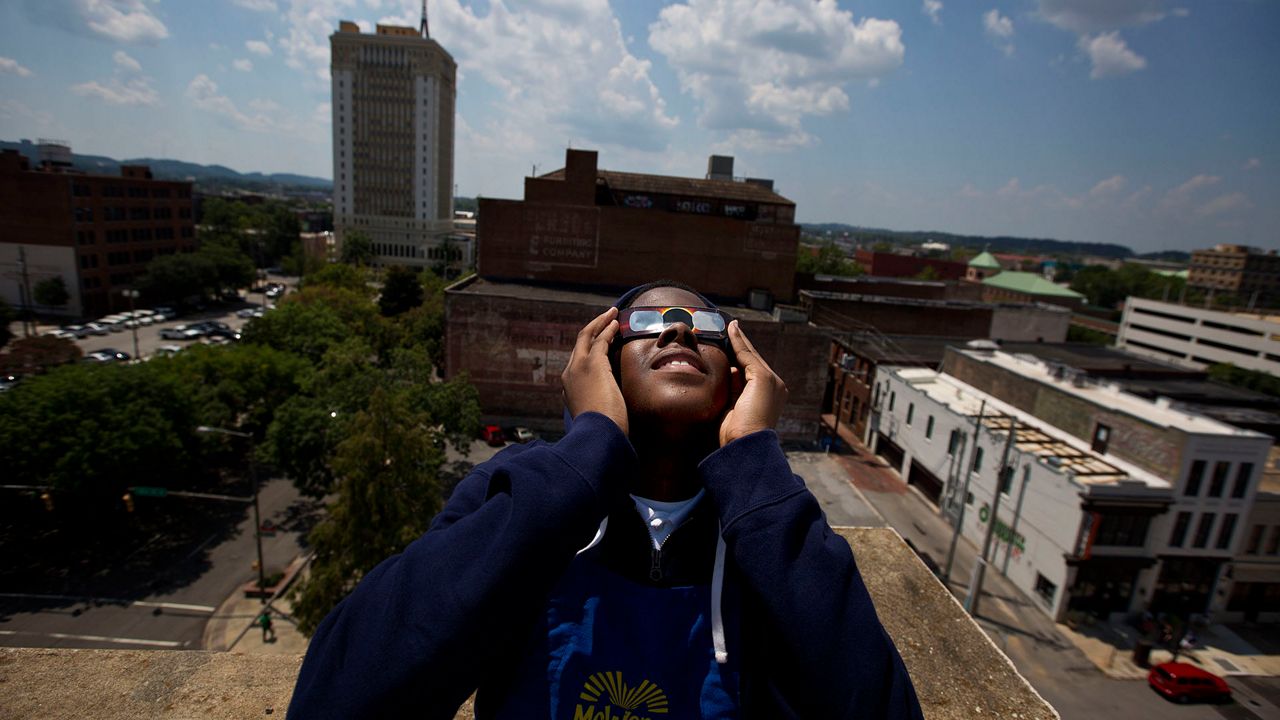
x=958, y=672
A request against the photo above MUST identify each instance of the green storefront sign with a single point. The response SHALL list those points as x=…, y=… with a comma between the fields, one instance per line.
x=1003, y=532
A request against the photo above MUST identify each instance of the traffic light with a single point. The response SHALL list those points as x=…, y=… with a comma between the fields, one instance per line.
x=128, y=502
x=48, y=501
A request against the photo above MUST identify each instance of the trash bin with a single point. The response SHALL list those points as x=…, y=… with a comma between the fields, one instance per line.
x=1142, y=653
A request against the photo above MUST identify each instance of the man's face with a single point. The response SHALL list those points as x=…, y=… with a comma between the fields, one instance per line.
x=673, y=377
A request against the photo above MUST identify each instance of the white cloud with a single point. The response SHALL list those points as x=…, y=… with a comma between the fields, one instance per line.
x=242, y=64
x=124, y=62
x=135, y=91
x=1091, y=16
x=1252, y=163
x=128, y=87
x=1179, y=198
x=126, y=21
x=562, y=67
x=1108, y=187
x=263, y=116
x=1224, y=204
x=758, y=68
x=257, y=5
x=933, y=9
x=13, y=67
x=1110, y=56
x=258, y=47
x=1000, y=29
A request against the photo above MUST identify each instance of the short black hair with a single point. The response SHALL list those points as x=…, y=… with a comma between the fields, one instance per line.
x=630, y=296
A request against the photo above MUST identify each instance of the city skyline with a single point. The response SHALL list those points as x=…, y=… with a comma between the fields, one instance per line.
x=1145, y=123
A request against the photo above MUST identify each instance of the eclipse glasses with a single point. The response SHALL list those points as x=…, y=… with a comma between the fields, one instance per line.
x=706, y=324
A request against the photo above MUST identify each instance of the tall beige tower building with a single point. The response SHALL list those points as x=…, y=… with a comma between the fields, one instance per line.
x=393, y=105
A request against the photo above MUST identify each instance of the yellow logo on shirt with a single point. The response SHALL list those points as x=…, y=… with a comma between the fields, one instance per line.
x=620, y=701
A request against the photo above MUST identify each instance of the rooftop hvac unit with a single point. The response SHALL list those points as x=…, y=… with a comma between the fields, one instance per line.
x=720, y=167
x=759, y=300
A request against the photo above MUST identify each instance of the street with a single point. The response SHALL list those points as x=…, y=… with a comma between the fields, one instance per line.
x=168, y=619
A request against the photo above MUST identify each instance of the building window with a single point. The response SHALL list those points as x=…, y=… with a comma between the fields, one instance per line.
x=977, y=460
x=1179, y=535
x=1194, y=478
x=1273, y=545
x=1219, y=481
x=163, y=213
x=1123, y=530
x=928, y=428
x=954, y=443
x=911, y=412
x=1226, y=531
x=892, y=397
x=1255, y=540
x=1203, y=530
x=1006, y=480
x=1101, y=435
x=1242, y=480
x=1045, y=589
x=118, y=258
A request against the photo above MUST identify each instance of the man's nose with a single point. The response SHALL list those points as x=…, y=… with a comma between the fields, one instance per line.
x=678, y=333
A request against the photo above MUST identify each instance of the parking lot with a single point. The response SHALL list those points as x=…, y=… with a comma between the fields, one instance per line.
x=149, y=341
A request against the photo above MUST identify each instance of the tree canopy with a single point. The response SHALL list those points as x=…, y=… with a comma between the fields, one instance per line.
x=401, y=291
x=829, y=260
x=51, y=291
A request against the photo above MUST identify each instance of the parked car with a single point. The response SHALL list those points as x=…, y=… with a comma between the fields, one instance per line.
x=245, y=312
x=62, y=334
x=94, y=328
x=222, y=334
x=166, y=351
x=1184, y=683
x=107, y=355
x=182, y=332
x=524, y=435
x=165, y=313
x=493, y=435
x=78, y=331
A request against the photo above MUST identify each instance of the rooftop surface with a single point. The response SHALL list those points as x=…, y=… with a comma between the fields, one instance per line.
x=671, y=185
x=1095, y=358
x=1030, y=283
x=957, y=671
x=1110, y=396
x=984, y=260
x=1256, y=318
x=930, y=303
x=1059, y=450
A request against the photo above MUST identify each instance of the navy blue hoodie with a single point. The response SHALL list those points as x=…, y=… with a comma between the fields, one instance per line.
x=462, y=607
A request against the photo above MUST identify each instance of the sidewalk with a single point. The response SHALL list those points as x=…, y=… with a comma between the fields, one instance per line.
x=233, y=627
x=1220, y=651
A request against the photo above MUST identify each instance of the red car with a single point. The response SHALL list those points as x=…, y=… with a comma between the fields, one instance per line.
x=493, y=435
x=1184, y=683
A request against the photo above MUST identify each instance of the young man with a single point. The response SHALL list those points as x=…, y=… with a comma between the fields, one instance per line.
x=659, y=560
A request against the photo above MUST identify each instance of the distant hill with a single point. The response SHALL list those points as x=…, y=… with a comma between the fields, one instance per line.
x=207, y=177
x=1030, y=246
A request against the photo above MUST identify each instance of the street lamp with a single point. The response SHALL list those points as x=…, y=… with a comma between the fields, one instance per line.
x=253, y=480
x=133, y=319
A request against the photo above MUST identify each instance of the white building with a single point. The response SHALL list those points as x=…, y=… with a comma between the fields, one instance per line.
x=393, y=97
x=1084, y=523
x=1197, y=338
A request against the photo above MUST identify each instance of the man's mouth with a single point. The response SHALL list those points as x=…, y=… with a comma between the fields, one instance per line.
x=679, y=363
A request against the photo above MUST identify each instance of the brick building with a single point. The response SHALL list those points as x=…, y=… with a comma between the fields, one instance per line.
x=890, y=287
x=1237, y=269
x=96, y=232
x=513, y=341
x=735, y=241
x=851, y=312
x=887, y=264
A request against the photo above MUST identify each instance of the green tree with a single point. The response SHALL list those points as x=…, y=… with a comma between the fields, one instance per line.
x=305, y=329
x=340, y=276
x=357, y=248
x=829, y=260
x=401, y=291
x=929, y=273
x=1265, y=383
x=1079, y=334
x=51, y=291
x=34, y=355
x=389, y=491
x=93, y=430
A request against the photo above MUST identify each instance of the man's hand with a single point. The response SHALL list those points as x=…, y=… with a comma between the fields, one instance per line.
x=588, y=382
x=758, y=393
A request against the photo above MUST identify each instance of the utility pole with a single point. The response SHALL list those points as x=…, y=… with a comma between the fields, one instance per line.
x=257, y=519
x=28, y=325
x=965, y=471
x=980, y=568
x=133, y=320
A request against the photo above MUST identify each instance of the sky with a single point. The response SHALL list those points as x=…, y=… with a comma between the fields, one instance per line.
x=1153, y=124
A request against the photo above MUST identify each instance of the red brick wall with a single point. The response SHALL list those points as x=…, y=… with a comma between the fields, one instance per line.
x=623, y=247
x=514, y=349
x=893, y=265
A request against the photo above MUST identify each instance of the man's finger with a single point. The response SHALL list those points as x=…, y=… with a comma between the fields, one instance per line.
x=606, y=336
x=589, y=331
x=748, y=358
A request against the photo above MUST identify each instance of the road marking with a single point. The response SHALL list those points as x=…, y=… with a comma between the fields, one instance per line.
x=99, y=638
x=113, y=601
